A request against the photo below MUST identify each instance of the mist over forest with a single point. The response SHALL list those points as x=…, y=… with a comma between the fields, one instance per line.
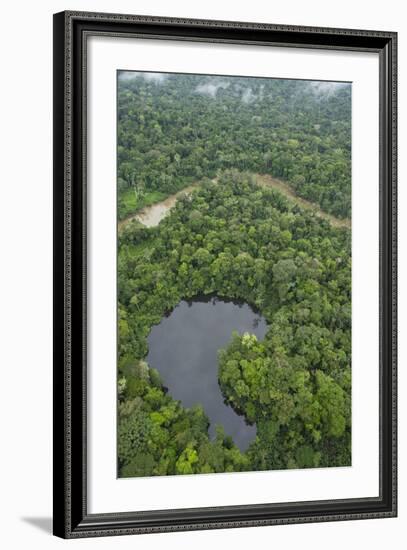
x=252, y=177
x=171, y=133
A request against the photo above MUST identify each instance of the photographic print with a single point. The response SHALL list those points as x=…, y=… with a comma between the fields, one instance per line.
x=234, y=274
x=225, y=274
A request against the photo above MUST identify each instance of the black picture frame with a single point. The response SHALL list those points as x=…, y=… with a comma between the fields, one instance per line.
x=71, y=519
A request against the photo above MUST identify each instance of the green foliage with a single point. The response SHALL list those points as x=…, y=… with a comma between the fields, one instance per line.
x=302, y=408
x=130, y=201
x=134, y=432
x=186, y=461
x=191, y=126
x=236, y=240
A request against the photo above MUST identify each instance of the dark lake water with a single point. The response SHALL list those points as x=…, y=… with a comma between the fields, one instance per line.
x=184, y=349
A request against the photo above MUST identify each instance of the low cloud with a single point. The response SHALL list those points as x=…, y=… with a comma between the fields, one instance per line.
x=211, y=88
x=248, y=96
x=158, y=78
x=327, y=88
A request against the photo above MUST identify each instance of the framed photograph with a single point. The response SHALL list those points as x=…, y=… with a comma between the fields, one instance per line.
x=224, y=274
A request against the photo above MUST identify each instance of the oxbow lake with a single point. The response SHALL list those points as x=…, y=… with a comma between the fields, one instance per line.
x=184, y=349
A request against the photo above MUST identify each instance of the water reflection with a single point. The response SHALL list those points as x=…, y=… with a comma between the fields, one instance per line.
x=184, y=348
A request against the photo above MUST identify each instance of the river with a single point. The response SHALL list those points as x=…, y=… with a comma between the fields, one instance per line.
x=150, y=216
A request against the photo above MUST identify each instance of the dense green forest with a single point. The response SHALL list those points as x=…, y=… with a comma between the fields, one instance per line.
x=234, y=239
x=174, y=129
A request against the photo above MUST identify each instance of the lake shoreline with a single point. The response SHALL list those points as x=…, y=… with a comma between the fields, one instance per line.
x=184, y=349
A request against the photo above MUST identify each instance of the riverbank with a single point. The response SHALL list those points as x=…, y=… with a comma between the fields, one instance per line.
x=151, y=216
x=266, y=180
